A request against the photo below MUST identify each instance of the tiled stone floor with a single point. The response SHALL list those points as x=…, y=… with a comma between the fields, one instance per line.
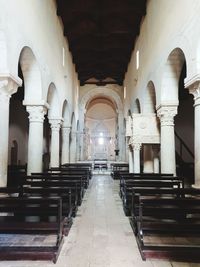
x=27, y=240
x=101, y=235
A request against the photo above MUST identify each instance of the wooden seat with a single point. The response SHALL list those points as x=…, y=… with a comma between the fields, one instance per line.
x=16, y=217
x=176, y=217
x=128, y=185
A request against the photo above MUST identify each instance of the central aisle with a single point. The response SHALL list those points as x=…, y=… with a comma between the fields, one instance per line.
x=101, y=235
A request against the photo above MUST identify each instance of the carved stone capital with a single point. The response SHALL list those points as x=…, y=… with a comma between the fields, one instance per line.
x=8, y=86
x=194, y=89
x=137, y=146
x=55, y=124
x=166, y=114
x=66, y=129
x=36, y=113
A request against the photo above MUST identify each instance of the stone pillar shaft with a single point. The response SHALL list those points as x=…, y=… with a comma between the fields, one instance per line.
x=4, y=126
x=168, y=161
x=55, y=142
x=8, y=86
x=65, y=144
x=195, y=91
x=73, y=147
x=156, y=161
x=148, y=159
x=136, y=155
x=131, y=167
x=35, y=138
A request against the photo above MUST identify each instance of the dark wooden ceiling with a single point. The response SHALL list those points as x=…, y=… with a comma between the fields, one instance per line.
x=101, y=36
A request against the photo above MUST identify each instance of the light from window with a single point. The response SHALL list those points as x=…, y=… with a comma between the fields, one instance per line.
x=63, y=56
x=101, y=134
x=101, y=141
x=137, y=59
x=124, y=92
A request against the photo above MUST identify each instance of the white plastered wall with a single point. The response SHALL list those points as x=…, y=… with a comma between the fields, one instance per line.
x=35, y=24
x=167, y=25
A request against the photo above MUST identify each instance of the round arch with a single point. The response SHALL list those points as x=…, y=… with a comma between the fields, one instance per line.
x=150, y=98
x=137, y=106
x=32, y=75
x=104, y=92
x=171, y=75
x=66, y=113
x=53, y=101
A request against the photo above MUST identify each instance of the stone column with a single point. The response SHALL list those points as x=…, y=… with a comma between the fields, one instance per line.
x=148, y=159
x=65, y=144
x=35, y=138
x=55, y=142
x=83, y=144
x=82, y=112
x=130, y=158
x=128, y=134
x=136, y=155
x=8, y=86
x=156, y=160
x=166, y=114
x=73, y=147
x=195, y=90
x=121, y=139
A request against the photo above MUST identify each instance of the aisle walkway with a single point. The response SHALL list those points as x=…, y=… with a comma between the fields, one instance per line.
x=101, y=235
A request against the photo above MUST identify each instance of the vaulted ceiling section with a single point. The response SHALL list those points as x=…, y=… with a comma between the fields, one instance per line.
x=101, y=36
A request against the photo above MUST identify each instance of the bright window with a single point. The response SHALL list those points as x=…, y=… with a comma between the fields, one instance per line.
x=124, y=92
x=63, y=56
x=101, y=141
x=137, y=59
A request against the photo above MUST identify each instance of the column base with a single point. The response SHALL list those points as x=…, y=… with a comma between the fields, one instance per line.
x=196, y=186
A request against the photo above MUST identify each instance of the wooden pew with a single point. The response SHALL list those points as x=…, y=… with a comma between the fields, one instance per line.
x=49, y=182
x=157, y=193
x=71, y=171
x=64, y=176
x=67, y=194
x=129, y=185
x=116, y=168
x=16, y=217
x=79, y=167
x=178, y=220
x=151, y=176
x=124, y=180
x=100, y=164
x=15, y=173
x=117, y=173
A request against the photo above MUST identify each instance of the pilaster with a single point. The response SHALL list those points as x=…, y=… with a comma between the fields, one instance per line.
x=193, y=86
x=166, y=114
x=55, y=141
x=65, y=143
x=8, y=86
x=35, y=138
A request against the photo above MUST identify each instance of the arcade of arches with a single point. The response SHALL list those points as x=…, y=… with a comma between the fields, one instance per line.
x=43, y=102
x=56, y=108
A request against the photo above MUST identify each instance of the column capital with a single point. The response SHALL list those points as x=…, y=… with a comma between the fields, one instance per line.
x=194, y=89
x=166, y=114
x=8, y=86
x=55, y=123
x=36, y=113
x=137, y=146
x=66, y=128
